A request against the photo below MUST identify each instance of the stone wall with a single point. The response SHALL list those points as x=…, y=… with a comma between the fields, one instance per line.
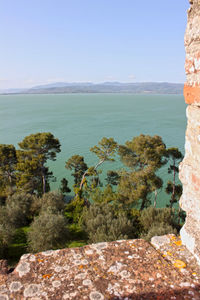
x=119, y=270
x=190, y=167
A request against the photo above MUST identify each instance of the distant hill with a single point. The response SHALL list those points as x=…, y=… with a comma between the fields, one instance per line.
x=106, y=87
x=12, y=91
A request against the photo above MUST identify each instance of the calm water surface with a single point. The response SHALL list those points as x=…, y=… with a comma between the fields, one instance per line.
x=79, y=121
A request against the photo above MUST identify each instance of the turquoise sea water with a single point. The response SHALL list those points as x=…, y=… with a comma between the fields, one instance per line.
x=79, y=121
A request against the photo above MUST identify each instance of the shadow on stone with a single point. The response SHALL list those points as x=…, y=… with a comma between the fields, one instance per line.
x=184, y=293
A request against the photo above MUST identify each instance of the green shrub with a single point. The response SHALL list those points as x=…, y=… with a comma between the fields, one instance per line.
x=53, y=200
x=76, y=232
x=14, y=252
x=75, y=244
x=6, y=232
x=18, y=208
x=20, y=236
x=158, y=230
x=105, y=195
x=48, y=231
x=74, y=209
x=103, y=223
x=157, y=221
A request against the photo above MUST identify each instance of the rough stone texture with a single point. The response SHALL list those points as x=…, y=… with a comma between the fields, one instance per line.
x=192, y=61
x=190, y=167
x=172, y=249
x=3, y=266
x=131, y=269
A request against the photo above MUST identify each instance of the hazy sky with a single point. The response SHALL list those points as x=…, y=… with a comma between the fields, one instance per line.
x=44, y=41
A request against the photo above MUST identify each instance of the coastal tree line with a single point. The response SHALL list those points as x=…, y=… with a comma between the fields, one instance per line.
x=124, y=205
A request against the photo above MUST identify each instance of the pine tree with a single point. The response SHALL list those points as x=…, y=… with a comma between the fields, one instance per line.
x=78, y=166
x=8, y=161
x=174, y=156
x=143, y=156
x=36, y=149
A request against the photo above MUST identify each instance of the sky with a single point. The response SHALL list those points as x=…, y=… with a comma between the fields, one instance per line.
x=46, y=41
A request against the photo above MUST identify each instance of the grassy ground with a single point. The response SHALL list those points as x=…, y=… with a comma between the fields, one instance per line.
x=19, y=246
x=77, y=238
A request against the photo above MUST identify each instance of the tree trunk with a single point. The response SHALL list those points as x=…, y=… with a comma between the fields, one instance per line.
x=155, y=199
x=83, y=177
x=173, y=188
x=143, y=203
x=10, y=179
x=87, y=203
x=179, y=212
x=43, y=183
x=82, y=180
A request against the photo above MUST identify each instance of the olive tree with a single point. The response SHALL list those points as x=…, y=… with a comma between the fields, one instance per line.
x=6, y=231
x=48, y=231
x=102, y=222
x=157, y=221
x=18, y=208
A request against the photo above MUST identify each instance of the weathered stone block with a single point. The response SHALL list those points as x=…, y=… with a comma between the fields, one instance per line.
x=190, y=236
x=3, y=266
x=190, y=167
x=192, y=94
x=131, y=269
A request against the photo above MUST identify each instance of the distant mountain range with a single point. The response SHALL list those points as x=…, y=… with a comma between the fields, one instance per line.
x=105, y=87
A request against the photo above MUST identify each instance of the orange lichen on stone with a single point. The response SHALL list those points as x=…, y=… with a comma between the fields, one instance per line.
x=81, y=267
x=40, y=260
x=178, y=243
x=180, y=264
x=159, y=261
x=47, y=276
x=192, y=93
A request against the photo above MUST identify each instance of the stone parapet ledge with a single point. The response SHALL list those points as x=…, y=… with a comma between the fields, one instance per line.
x=120, y=270
x=173, y=250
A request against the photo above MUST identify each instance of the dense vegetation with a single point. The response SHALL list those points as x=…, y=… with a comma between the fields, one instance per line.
x=33, y=218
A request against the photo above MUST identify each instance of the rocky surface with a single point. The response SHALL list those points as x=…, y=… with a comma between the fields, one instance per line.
x=190, y=167
x=3, y=266
x=131, y=269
